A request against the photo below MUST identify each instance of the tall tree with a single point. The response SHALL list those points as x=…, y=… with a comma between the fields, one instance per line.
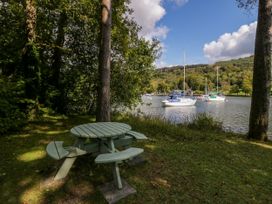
x=259, y=113
x=67, y=45
x=30, y=57
x=57, y=61
x=103, y=100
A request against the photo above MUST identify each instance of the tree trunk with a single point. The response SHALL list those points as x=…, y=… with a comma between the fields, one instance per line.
x=30, y=20
x=57, y=62
x=103, y=100
x=30, y=56
x=259, y=113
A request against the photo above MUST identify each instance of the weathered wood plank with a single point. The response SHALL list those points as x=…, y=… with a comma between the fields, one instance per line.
x=118, y=156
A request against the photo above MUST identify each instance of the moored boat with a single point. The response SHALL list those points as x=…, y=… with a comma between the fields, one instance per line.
x=177, y=98
x=175, y=101
x=216, y=97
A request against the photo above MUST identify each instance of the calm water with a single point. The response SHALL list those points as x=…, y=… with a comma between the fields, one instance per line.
x=234, y=113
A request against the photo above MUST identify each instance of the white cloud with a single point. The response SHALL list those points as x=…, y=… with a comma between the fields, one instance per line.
x=232, y=45
x=147, y=13
x=160, y=63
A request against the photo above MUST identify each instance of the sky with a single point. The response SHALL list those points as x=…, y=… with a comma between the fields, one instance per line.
x=205, y=30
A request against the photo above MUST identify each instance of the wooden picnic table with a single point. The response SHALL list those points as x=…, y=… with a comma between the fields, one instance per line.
x=102, y=130
x=99, y=139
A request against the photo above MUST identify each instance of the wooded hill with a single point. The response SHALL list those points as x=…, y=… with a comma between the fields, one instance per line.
x=235, y=77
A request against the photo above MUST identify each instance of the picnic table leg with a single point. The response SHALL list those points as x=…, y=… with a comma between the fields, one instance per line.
x=116, y=172
x=68, y=163
x=65, y=168
x=116, y=176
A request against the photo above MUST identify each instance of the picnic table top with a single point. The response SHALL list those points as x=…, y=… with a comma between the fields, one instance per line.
x=100, y=130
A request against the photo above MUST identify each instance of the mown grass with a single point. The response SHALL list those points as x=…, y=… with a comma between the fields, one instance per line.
x=183, y=165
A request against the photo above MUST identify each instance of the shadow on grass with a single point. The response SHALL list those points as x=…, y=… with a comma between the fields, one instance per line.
x=26, y=171
x=184, y=166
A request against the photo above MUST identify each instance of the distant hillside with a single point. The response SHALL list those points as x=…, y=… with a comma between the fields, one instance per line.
x=173, y=68
x=235, y=77
x=241, y=62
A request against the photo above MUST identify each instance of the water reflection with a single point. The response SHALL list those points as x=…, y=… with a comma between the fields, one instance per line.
x=178, y=114
x=234, y=113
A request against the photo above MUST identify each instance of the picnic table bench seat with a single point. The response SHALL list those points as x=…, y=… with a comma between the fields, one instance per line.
x=118, y=156
x=136, y=135
x=56, y=150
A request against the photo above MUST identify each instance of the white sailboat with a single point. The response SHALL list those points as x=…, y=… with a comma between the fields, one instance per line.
x=205, y=96
x=216, y=96
x=176, y=100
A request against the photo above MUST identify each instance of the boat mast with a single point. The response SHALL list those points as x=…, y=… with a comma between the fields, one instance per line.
x=183, y=74
x=217, y=79
x=206, y=88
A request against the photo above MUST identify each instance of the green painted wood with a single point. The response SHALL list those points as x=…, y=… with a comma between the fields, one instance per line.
x=65, y=168
x=76, y=131
x=75, y=152
x=118, y=156
x=92, y=130
x=123, y=142
x=84, y=129
x=136, y=135
x=118, y=126
x=100, y=130
x=56, y=151
x=108, y=129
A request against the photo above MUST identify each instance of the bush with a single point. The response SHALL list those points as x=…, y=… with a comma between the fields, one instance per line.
x=204, y=121
x=12, y=105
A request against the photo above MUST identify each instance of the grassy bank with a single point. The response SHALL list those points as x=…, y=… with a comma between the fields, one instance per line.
x=183, y=166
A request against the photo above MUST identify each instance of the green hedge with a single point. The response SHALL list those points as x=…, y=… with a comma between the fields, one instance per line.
x=12, y=105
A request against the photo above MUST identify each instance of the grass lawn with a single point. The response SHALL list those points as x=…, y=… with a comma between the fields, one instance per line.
x=183, y=166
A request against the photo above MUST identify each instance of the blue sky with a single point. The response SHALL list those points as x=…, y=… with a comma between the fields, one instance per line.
x=187, y=25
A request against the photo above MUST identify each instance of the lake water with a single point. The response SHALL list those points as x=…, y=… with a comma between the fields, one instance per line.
x=234, y=112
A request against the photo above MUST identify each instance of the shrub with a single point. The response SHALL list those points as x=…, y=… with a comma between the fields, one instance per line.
x=12, y=105
x=204, y=121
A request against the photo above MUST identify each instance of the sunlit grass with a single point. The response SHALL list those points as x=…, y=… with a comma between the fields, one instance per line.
x=183, y=165
x=150, y=146
x=267, y=146
x=231, y=141
x=31, y=156
x=55, y=132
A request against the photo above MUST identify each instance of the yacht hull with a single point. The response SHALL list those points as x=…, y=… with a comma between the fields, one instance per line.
x=186, y=102
x=217, y=98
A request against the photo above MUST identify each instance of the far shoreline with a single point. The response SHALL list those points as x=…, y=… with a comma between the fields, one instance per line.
x=247, y=96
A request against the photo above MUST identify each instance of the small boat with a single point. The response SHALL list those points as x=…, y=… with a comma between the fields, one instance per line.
x=202, y=97
x=177, y=98
x=175, y=101
x=205, y=96
x=216, y=96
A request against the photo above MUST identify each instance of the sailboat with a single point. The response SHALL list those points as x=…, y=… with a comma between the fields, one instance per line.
x=176, y=100
x=205, y=96
x=216, y=96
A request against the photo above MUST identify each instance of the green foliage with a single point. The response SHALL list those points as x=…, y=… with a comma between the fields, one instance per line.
x=67, y=49
x=12, y=106
x=235, y=77
x=247, y=4
x=12, y=35
x=205, y=122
